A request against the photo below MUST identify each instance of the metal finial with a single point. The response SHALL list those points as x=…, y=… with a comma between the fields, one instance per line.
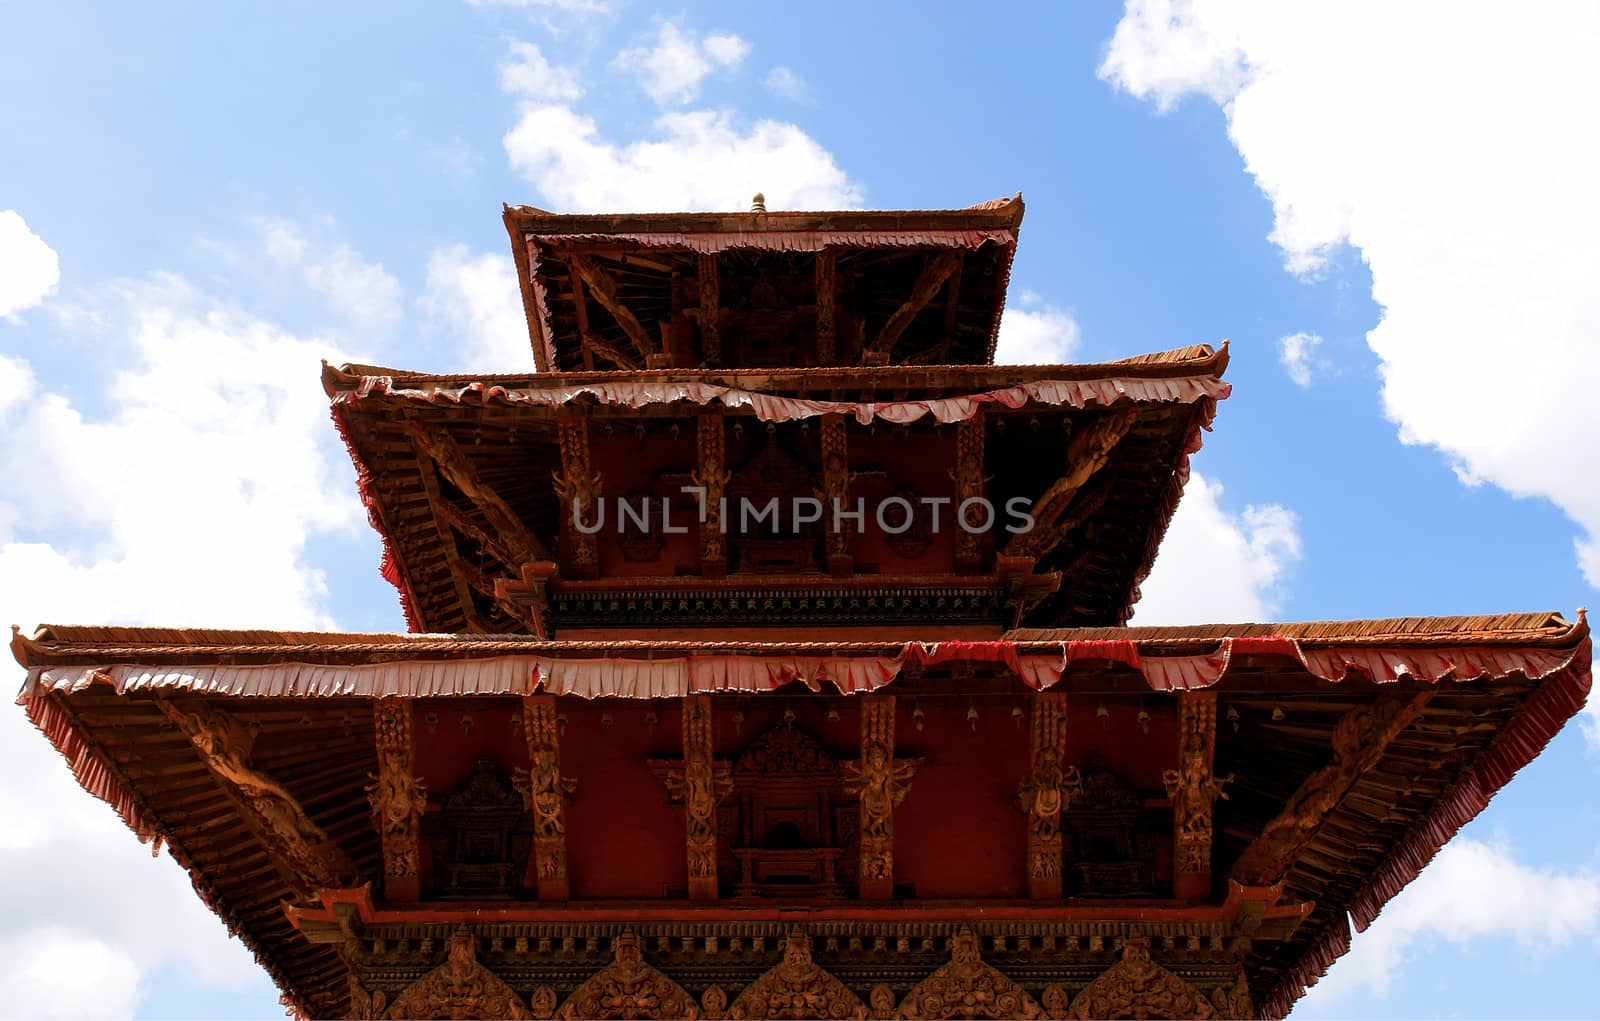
x=758, y=204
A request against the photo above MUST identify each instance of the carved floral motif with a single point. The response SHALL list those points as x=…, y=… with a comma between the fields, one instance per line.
x=1137, y=987
x=628, y=989
x=797, y=988
x=459, y=988
x=968, y=987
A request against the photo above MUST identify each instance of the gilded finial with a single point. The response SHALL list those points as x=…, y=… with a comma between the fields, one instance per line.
x=758, y=204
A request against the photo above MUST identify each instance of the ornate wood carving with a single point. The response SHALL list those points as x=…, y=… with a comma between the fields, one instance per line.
x=881, y=782
x=1359, y=741
x=481, y=851
x=628, y=988
x=311, y=857
x=836, y=492
x=365, y=1004
x=710, y=311
x=1233, y=1002
x=446, y=455
x=932, y=277
x=713, y=1002
x=703, y=787
x=1103, y=823
x=604, y=290
x=398, y=799
x=1088, y=452
x=1138, y=987
x=969, y=479
x=461, y=987
x=827, y=336
x=1044, y=794
x=968, y=987
x=545, y=793
x=797, y=988
x=1194, y=789
x=577, y=488
x=711, y=475
x=881, y=1002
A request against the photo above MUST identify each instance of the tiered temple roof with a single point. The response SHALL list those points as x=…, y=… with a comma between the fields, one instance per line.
x=829, y=768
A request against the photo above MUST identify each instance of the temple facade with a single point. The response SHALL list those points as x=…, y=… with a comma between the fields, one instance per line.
x=768, y=658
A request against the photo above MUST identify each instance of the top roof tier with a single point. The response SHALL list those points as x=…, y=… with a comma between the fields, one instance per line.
x=764, y=289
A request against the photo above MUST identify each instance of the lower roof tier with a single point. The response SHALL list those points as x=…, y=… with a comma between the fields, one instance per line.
x=391, y=789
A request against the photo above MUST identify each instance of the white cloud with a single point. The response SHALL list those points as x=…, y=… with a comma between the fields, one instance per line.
x=527, y=73
x=1033, y=332
x=29, y=268
x=184, y=494
x=1297, y=353
x=671, y=70
x=1215, y=565
x=1447, y=145
x=478, y=298
x=783, y=81
x=362, y=293
x=1471, y=891
x=578, y=7
x=699, y=160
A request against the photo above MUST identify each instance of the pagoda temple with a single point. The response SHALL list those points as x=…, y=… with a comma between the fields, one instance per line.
x=769, y=658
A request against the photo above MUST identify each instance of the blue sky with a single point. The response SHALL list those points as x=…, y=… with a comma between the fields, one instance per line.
x=206, y=199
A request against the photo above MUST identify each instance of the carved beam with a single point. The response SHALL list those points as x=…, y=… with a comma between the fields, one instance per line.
x=711, y=475
x=933, y=275
x=1194, y=788
x=308, y=857
x=969, y=479
x=437, y=446
x=604, y=290
x=447, y=542
x=398, y=800
x=577, y=487
x=1360, y=739
x=1045, y=794
x=1088, y=452
x=881, y=781
x=580, y=307
x=456, y=519
x=710, y=311
x=704, y=785
x=836, y=493
x=827, y=289
x=546, y=791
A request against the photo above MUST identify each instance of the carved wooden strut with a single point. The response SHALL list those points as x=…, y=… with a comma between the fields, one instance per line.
x=1194, y=788
x=881, y=782
x=703, y=787
x=836, y=493
x=711, y=476
x=545, y=793
x=398, y=799
x=969, y=479
x=577, y=488
x=1045, y=794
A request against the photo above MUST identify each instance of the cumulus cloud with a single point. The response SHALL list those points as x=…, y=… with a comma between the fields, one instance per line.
x=1472, y=891
x=671, y=69
x=1218, y=565
x=29, y=268
x=1297, y=353
x=527, y=73
x=1455, y=162
x=360, y=292
x=697, y=160
x=478, y=299
x=183, y=494
x=1034, y=332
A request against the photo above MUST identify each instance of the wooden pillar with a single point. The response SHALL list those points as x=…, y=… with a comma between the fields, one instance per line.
x=969, y=480
x=1045, y=794
x=1193, y=788
x=578, y=489
x=704, y=785
x=710, y=312
x=881, y=782
x=836, y=493
x=827, y=337
x=711, y=476
x=547, y=790
x=398, y=800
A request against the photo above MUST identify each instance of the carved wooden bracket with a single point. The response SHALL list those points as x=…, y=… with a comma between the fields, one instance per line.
x=1088, y=452
x=1194, y=789
x=309, y=857
x=1360, y=739
x=604, y=290
x=704, y=785
x=1046, y=793
x=545, y=792
x=932, y=277
x=711, y=475
x=881, y=781
x=437, y=446
x=398, y=798
x=827, y=335
x=969, y=478
x=578, y=490
x=836, y=493
x=710, y=311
